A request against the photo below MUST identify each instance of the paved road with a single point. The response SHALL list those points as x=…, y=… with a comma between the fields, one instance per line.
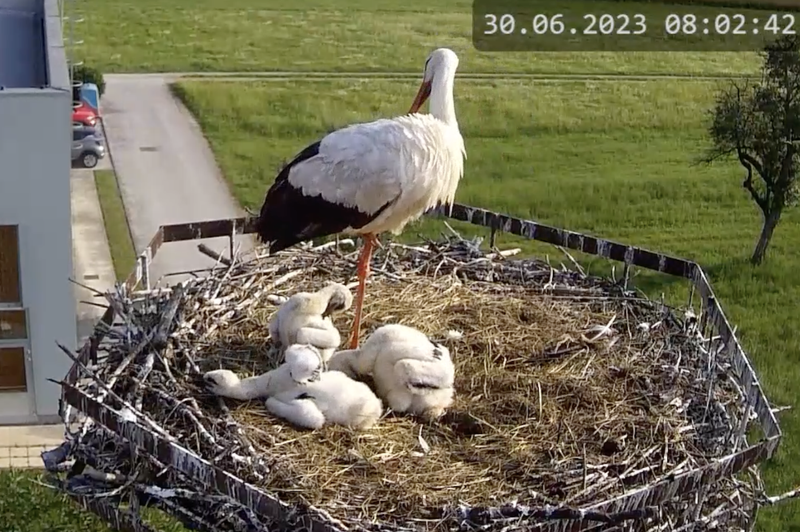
x=91, y=258
x=166, y=171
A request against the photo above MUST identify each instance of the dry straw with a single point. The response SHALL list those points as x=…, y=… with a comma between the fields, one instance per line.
x=569, y=389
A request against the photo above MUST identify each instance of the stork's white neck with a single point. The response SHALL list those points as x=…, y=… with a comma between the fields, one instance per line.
x=441, y=98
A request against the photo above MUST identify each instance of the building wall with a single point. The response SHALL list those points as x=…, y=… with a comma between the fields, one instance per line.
x=35, y=143
x=22, y=60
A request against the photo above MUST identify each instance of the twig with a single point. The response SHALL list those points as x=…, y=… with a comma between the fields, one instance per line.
x=205, y=250
x=110, y=392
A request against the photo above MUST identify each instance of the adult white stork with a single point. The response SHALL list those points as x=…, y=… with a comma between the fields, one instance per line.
x=371, y=177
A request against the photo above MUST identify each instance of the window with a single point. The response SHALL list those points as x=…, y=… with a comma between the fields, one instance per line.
x=13, y=320
x=12, y=369
x=13, y=325
x=10, y=291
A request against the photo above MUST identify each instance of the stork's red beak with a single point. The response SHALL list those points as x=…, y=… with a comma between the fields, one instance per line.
x=422, y=95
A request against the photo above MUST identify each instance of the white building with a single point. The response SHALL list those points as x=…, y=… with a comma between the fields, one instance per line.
x=37, y=305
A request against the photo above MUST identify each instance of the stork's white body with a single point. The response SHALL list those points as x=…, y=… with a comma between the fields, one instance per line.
x=412, y=162
x=371, y=178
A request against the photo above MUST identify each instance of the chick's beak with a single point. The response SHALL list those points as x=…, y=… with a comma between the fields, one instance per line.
x=422, y=95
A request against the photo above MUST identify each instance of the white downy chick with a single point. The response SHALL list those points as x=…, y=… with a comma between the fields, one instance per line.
x=300, y=367
x=302, y=394
x=411, y=373
x=305, y=319
x=333, y=398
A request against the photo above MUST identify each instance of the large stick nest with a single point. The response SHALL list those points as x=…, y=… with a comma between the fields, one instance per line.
x=569, y=389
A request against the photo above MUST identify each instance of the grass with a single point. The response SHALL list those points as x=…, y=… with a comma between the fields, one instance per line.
x=123, y=253
x=612, y=159
x=29, y=506
x=334, y=35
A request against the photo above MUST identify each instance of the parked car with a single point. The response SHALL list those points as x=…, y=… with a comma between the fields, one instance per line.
x=88, y=146
x=84, y=114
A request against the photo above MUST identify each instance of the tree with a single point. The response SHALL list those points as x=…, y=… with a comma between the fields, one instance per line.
x=758, y=123
x=89, y=74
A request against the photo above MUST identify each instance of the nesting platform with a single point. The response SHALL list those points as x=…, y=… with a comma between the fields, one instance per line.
x=580, y=404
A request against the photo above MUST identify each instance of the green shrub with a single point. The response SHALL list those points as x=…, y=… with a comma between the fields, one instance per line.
x=88, y=74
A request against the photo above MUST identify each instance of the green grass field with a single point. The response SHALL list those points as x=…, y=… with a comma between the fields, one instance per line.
x=612, y=159
x=28, y=505
x=333, y=35
x=120, y=242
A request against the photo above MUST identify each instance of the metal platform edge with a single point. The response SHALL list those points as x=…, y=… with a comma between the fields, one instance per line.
x=214, y=478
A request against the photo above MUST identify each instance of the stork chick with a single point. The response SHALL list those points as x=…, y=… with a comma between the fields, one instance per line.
x=411, y=373
x=301, y=366
x=304, y=395
x=305, y=319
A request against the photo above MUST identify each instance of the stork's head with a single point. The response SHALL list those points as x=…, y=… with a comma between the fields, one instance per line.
x=305, y=363
x=441, y=62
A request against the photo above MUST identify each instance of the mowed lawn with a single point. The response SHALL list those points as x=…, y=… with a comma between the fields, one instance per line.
x=334, y=35
x=613, y=159
x=29, y=505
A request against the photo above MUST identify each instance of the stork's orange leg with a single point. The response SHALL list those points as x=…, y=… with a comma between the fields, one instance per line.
x=364, y=259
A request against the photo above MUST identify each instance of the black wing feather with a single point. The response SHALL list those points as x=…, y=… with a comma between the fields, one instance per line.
x=289, y=217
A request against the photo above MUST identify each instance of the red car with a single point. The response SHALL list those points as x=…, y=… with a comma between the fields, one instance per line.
x=84, y=114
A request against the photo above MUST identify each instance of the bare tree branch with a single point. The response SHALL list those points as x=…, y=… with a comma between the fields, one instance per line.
x=747, y=162
x=751, y=164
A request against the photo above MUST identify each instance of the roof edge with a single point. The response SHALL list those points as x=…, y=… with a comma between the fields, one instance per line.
x=27, y=91
x=55, y=52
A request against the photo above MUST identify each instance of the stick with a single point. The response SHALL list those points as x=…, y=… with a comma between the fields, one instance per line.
x=168, y=317
x=484, y=516
x=792, y=494
x=109, y=391
x=205, y=250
